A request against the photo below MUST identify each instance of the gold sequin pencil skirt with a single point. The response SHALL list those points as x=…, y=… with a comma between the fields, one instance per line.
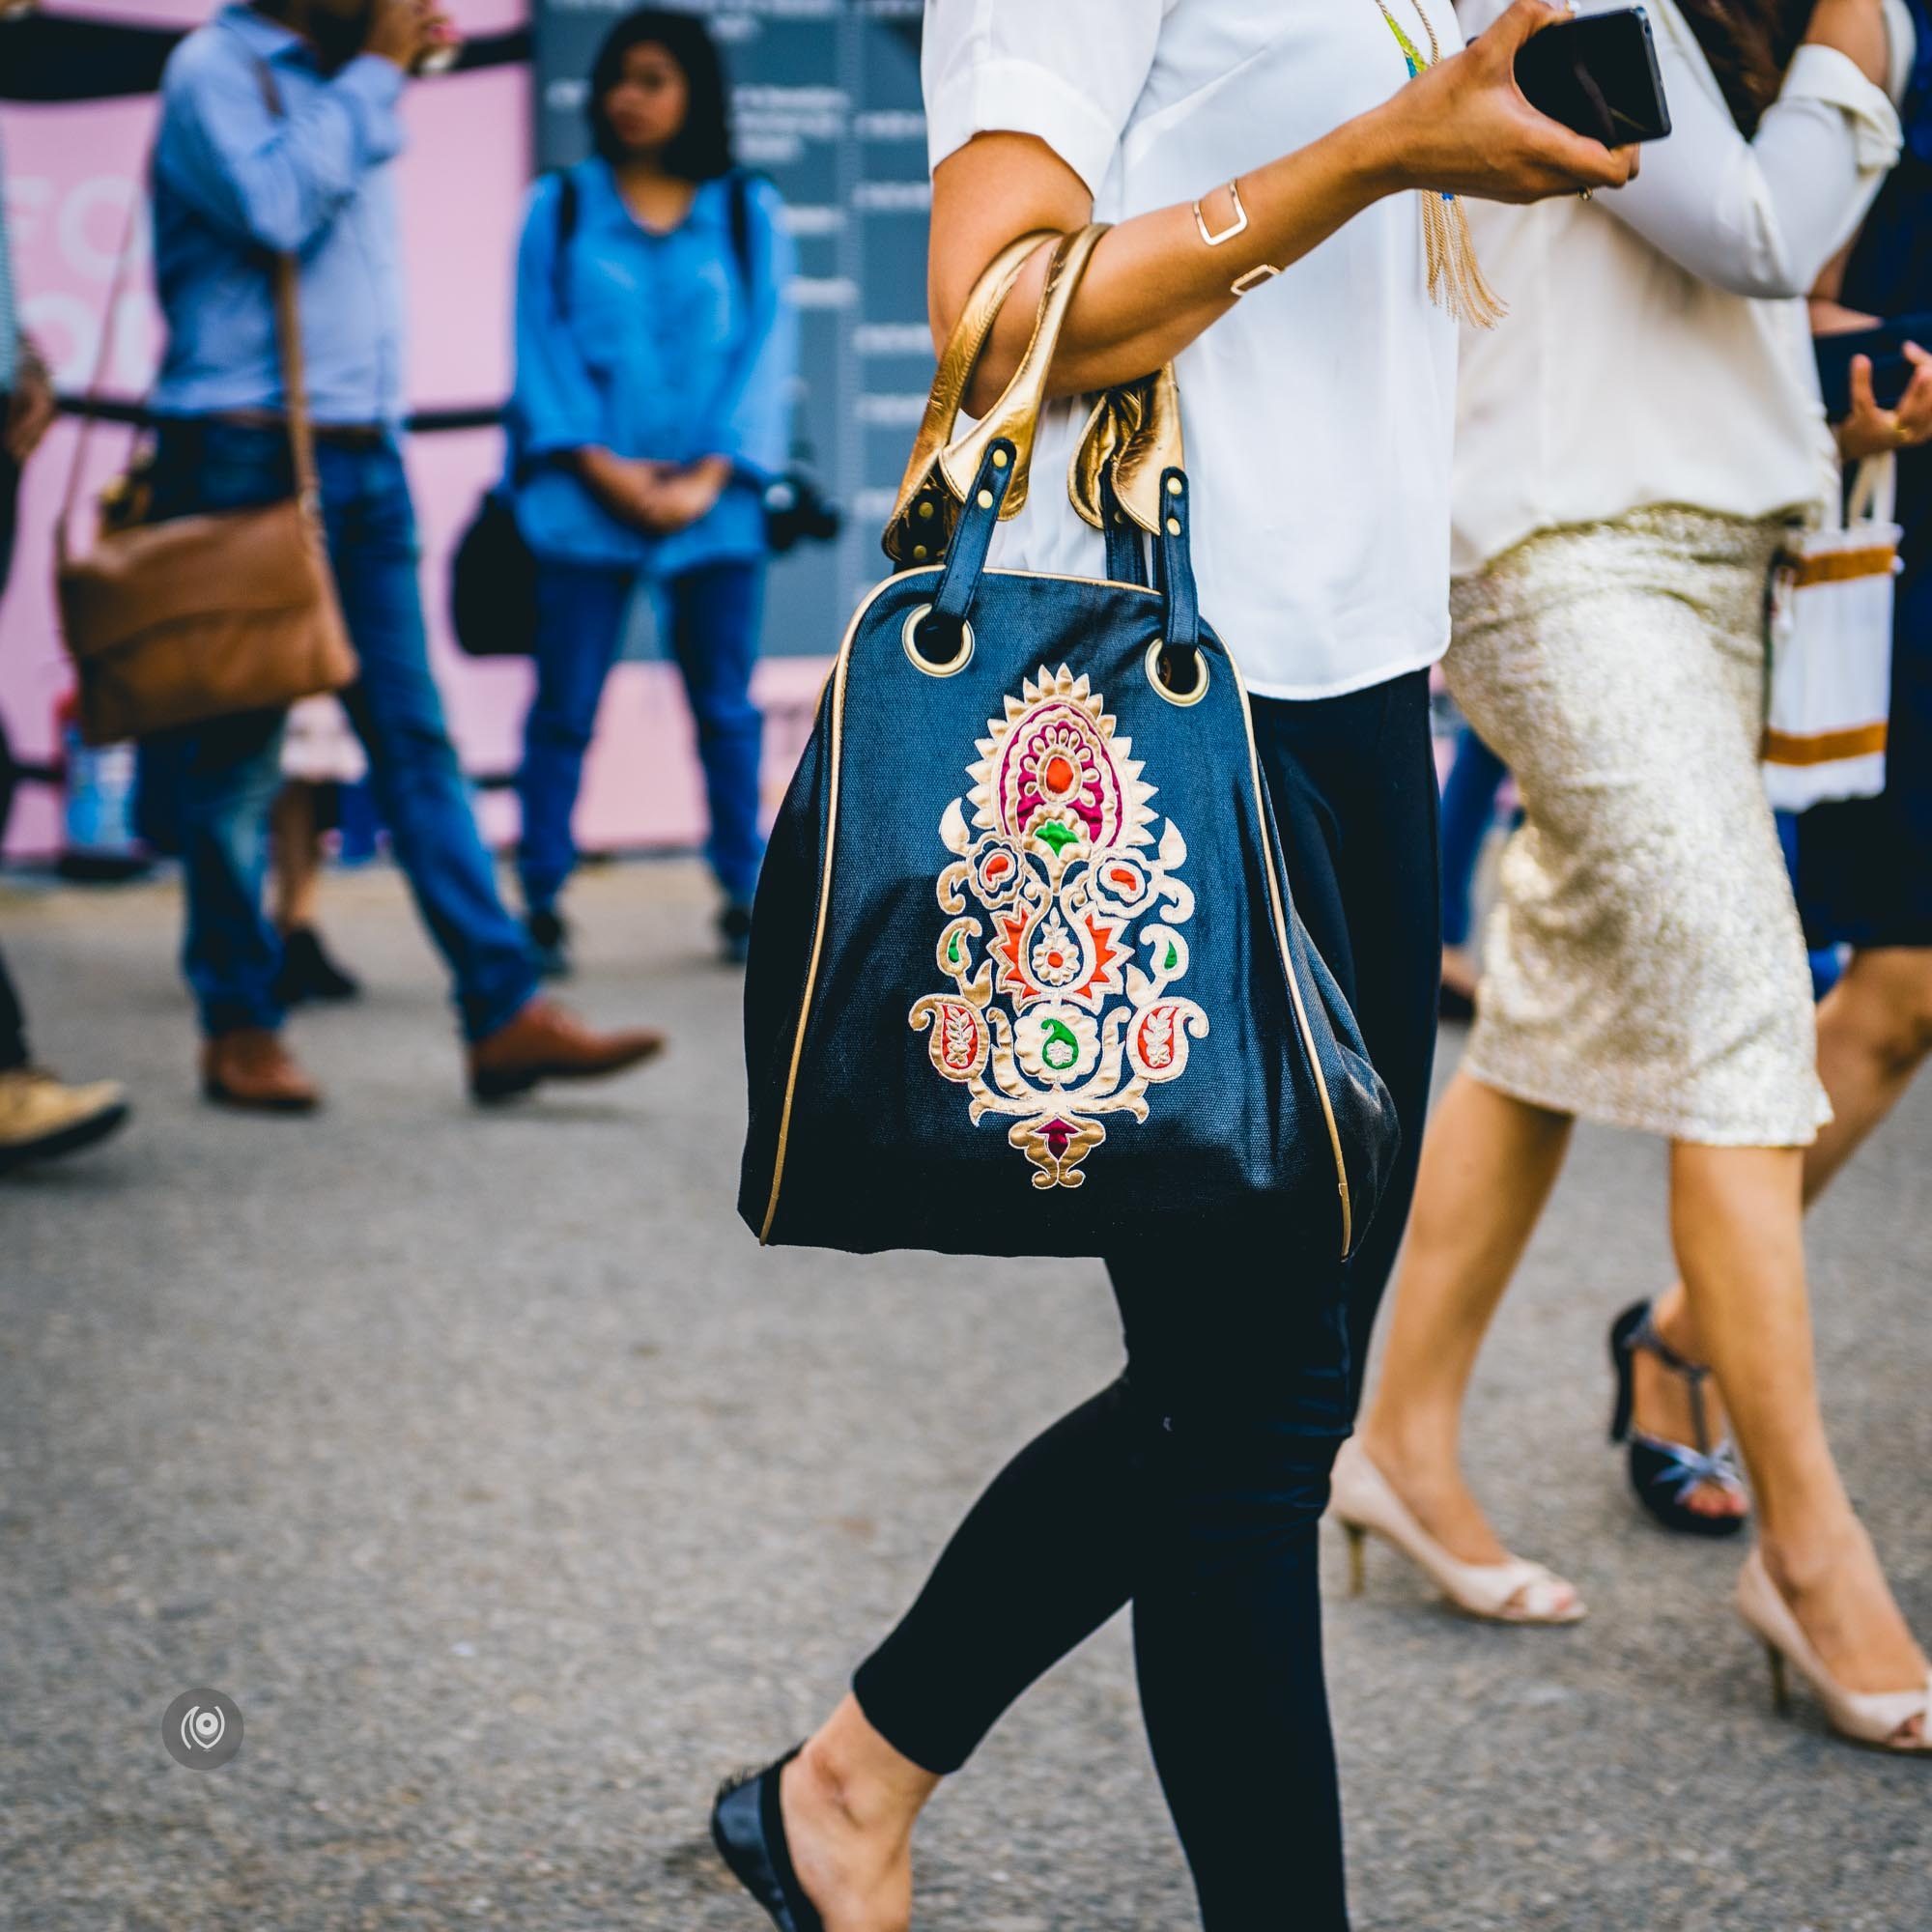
x=1644, y=966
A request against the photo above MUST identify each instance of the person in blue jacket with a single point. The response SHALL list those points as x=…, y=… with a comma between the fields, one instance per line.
x=656, y=353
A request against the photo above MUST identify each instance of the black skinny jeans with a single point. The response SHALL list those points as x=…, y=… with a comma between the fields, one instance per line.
x=1191, y=1486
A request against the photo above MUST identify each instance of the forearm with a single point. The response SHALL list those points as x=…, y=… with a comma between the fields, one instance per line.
x=1152, y=286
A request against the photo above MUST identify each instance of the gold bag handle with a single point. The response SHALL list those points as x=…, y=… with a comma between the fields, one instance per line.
x=949, y=391
x=1135, y=428
x=941, y=468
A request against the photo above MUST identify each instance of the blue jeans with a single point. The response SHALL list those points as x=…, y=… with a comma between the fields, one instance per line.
x=711, y=616
x=223, y=775
x=1468, y=810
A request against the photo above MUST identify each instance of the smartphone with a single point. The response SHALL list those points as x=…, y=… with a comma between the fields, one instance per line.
x=1891, y=373
x=1598, y=75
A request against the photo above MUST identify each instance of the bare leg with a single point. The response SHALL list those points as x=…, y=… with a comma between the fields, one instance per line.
x=1487, y=1165
x=1735, y=1219
x=1874, y=1031
x=850, y=1801
x=297, y=869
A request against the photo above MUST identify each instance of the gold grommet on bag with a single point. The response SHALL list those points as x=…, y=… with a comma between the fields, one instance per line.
x=1174, y=527
x=918, y=552
x=999, y=459
x=1174, y=486
x=985, y=499
x=957, y=662
x=1181, y=698
x=925, y=509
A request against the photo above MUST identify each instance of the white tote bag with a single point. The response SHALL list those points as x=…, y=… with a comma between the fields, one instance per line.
x=1830, y=651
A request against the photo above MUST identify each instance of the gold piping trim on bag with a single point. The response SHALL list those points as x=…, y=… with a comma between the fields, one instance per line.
x=1288, y=969
x=838, y=692
x=836, y=682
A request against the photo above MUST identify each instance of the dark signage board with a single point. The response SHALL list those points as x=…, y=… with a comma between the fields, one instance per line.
x=825, y=100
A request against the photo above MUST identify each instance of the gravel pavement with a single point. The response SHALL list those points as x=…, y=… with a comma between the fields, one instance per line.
x=514, y=1497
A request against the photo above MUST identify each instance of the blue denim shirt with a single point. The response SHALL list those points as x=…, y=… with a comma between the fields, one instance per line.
x=232, y=182
x=649, y=345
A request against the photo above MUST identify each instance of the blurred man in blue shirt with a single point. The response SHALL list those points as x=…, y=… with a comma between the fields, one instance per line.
x=277, y=125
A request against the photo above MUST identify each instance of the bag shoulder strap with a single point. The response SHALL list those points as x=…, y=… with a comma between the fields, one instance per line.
x=97, y=376
x=288, y=331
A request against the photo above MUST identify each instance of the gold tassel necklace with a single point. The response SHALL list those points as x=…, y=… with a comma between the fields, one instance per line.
x=1455, y=279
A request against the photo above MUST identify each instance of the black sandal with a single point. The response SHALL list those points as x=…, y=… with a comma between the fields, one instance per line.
x=748, y=1828
x=1664, y=1473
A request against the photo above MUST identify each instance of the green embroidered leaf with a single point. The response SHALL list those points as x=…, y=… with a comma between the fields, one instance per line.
x=1060, y=1049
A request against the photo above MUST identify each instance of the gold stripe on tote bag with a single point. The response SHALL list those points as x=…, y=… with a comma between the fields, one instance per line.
x=1822, y=748
x=1843, y=566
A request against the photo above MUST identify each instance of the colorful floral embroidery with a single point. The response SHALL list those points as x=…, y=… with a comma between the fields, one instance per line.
x=1054, y=1019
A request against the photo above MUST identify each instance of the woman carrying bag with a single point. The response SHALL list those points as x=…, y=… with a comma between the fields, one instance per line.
x=1645, y=968
x=1277, y=282
x=656, y=348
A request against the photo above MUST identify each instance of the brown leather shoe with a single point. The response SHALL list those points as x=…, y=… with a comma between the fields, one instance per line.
x=250, y=1068
x=547, y=1041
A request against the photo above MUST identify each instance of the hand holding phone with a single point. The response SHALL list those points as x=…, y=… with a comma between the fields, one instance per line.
x=1598, y=75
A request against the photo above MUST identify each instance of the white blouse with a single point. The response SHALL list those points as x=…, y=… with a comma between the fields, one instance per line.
x=1318, y=415
x=1658, y=348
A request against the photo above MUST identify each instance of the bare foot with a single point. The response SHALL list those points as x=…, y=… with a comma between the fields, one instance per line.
x=1663, y=1409
x=857, y=1871
x=1838, y=1594
x=1432, y=1490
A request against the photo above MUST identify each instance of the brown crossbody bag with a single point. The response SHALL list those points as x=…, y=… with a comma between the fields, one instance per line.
x=205, y=615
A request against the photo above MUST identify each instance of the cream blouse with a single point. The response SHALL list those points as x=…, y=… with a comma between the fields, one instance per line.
x=1658, y=348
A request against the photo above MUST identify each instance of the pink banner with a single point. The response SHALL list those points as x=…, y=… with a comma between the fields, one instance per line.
x=73, y=174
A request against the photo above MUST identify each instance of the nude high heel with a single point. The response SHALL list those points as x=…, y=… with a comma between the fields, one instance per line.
x=1514, y=1592
x=1873, y=1717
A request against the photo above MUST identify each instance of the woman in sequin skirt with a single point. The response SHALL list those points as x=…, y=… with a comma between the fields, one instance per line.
x=1635, y=442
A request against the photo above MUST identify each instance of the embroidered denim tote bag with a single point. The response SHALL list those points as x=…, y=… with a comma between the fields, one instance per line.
x=1026, y=978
